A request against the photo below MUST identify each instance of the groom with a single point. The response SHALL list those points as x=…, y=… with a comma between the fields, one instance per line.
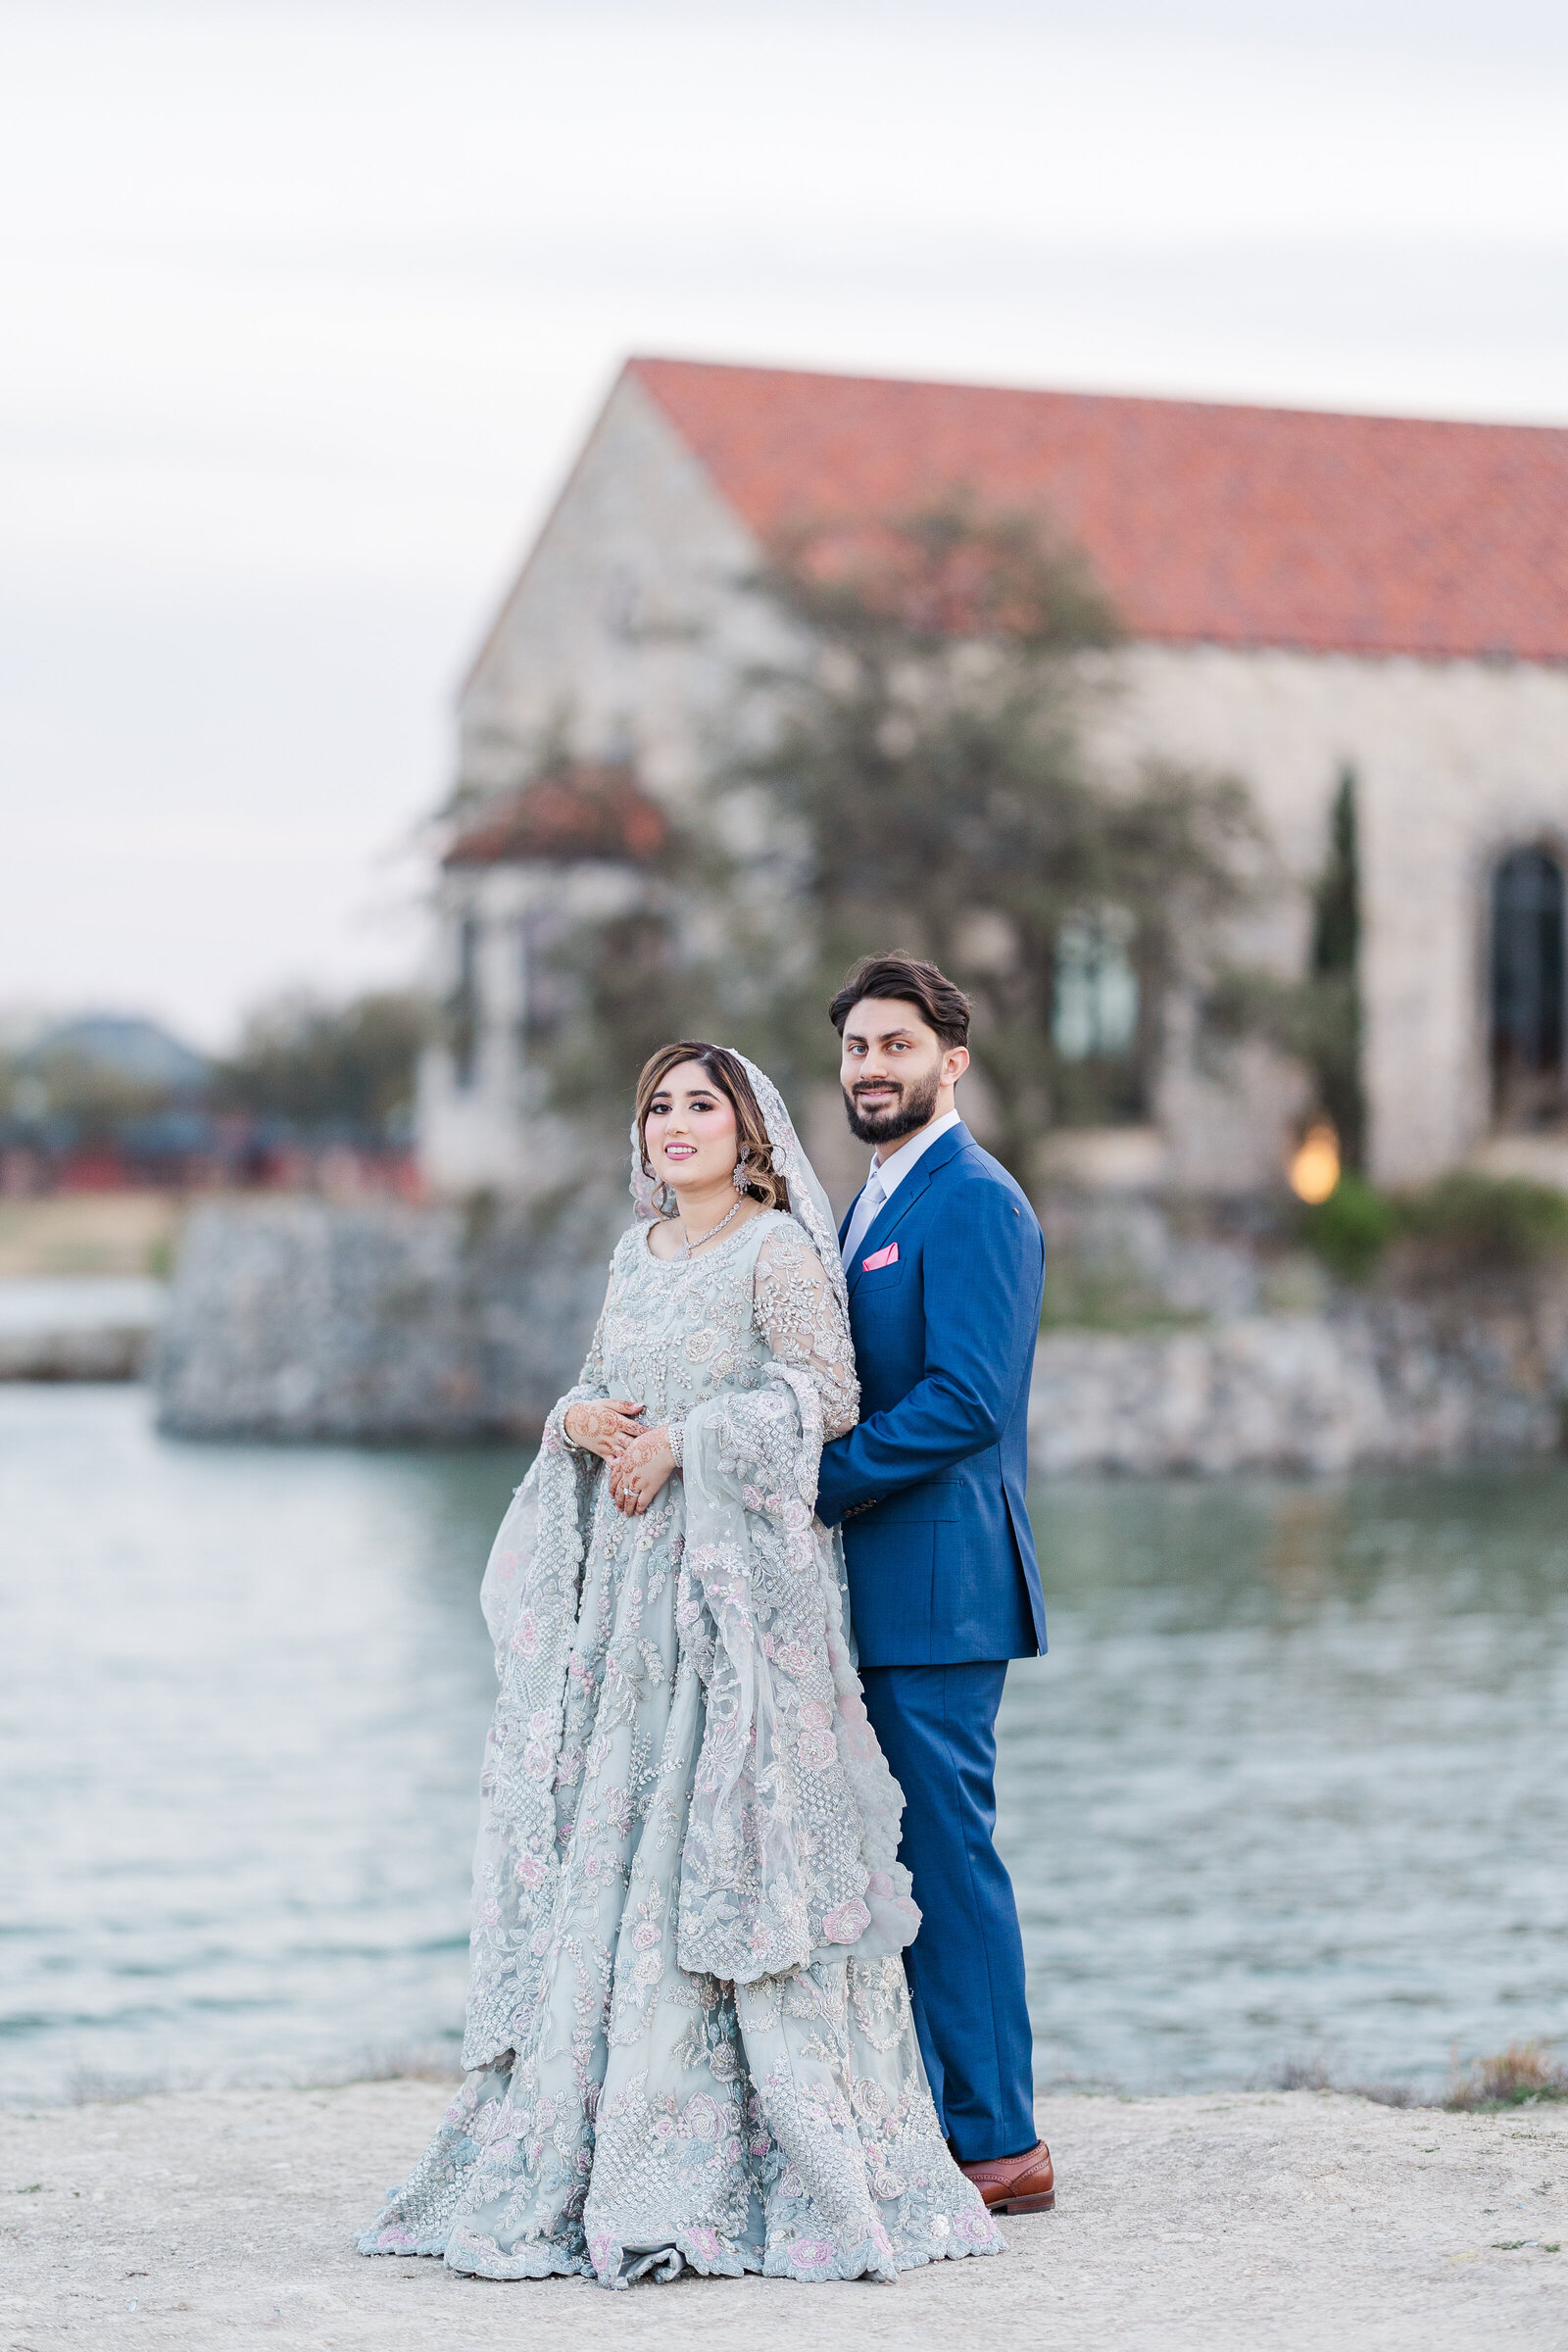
x=945, y=1262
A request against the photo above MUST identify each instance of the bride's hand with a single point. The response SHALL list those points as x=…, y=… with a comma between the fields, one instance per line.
x=606, y=1429
x=642, y=1471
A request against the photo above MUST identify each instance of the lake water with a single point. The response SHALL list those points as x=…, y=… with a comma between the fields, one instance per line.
x=1289, y=1790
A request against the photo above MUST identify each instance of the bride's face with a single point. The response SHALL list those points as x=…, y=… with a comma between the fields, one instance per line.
x=690, y=1132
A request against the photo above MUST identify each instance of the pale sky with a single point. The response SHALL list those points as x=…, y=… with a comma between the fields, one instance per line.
x=306, y=308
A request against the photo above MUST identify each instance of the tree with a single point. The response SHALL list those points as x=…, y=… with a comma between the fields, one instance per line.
x=927, y=787
x=1336, y=1030
x=624, y=984
x=1317, y=1018
x=320, y=1066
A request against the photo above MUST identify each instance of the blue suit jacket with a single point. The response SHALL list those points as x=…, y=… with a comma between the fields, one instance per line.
x=942, y=1564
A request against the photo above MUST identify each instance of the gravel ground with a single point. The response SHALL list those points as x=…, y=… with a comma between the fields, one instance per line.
x=1303, y=2218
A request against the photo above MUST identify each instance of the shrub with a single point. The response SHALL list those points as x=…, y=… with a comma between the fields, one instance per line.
x=1520, y=2073
x=1492, y=1220
x=1351, y=1230
x=1472, y=1223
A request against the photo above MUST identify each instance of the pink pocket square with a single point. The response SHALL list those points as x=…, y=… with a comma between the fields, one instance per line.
x=880, y=1257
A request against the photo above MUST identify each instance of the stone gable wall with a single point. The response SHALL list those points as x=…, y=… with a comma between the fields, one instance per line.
x=628, y=628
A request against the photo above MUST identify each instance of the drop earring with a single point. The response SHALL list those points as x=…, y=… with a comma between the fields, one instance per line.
x=739, y=1178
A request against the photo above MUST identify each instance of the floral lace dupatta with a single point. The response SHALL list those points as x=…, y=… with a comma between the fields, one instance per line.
x=790, y=1836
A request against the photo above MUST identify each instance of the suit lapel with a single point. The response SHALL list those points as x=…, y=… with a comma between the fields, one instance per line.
x=883, y=1226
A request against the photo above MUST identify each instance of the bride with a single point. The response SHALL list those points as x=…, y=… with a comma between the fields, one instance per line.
x=689, y=2032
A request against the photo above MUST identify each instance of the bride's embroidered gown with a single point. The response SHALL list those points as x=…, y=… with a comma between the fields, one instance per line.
x=689, y=2026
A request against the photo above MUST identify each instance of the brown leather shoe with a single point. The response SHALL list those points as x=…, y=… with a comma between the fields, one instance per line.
x=1025, y=2184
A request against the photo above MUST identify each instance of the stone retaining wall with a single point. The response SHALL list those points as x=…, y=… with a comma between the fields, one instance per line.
x=297, y=1318
x=301, y=1319
x=1393, y=1381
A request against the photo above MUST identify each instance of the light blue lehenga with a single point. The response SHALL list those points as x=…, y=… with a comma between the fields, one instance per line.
x=689, y=2031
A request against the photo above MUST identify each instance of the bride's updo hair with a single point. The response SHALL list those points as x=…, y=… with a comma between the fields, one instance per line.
x=763, y=1182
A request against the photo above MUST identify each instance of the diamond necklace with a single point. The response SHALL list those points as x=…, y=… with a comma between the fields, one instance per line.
x=686, y=1242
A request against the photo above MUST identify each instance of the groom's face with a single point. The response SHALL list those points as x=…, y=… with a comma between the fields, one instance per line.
x=893, y=1069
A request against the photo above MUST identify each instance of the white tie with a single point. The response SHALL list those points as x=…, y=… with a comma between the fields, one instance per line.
x=867, y=1210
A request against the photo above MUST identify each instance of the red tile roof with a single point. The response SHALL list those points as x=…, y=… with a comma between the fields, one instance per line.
x=580, y=811
x=1207, y=523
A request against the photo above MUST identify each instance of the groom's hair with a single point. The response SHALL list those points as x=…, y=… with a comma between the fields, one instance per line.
x=908, y=980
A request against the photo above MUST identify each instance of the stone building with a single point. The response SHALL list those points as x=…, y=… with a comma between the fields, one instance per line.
x=1305, y=593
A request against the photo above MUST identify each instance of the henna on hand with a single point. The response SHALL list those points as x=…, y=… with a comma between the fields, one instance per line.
x=642, y=1471
x=605, y=1427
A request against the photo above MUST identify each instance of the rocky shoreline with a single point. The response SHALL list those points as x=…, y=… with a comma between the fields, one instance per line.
x=81, y=1327
x=1209, y=2224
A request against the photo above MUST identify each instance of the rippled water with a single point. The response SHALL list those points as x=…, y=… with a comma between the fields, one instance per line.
x=1289, y=1788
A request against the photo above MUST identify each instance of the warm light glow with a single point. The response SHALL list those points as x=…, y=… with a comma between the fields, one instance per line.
x=1316, y=1169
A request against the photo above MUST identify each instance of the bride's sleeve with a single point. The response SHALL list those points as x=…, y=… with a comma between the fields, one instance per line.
x=804, y=1326
x=590, y=1387
x=591, y=1379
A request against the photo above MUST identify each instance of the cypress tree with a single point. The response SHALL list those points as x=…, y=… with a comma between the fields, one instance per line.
x=1336, y=975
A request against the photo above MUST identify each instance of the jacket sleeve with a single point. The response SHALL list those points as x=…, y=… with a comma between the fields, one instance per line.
x=983, y=1261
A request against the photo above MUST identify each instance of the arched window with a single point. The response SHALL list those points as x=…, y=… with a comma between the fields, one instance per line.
x=1527, y=987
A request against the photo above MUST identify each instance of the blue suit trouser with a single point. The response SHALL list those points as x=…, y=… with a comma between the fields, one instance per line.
x=937, y=1725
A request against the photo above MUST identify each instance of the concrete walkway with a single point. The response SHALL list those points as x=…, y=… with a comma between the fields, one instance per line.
x=1301, y=2219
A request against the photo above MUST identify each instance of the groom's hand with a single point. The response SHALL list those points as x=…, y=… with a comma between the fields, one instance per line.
x=605, y=1428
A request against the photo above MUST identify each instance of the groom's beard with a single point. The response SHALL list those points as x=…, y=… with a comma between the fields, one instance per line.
x=912, y=1108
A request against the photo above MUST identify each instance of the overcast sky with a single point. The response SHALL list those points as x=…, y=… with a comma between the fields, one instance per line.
x=306, y=309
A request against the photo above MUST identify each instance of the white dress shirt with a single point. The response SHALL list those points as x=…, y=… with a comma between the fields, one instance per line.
x=885, y=1178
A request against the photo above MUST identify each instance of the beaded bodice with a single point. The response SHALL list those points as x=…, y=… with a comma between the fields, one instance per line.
x=675, y=1333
